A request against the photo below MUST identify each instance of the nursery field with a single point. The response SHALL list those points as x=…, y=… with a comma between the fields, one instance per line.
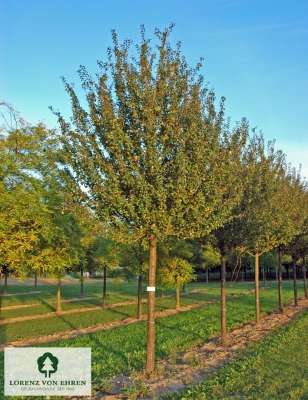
x=121, y=350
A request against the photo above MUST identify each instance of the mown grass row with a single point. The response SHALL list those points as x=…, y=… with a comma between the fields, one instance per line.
x=117, y=350
x=64, y=322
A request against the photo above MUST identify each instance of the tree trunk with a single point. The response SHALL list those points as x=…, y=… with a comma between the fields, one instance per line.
x=184, y=288
x=264, y=277
x=207, y=273
x=105, y=287
x=241, y=269
x=139, y=307
x=289, y=274
x=162, y=293
x=177, y=297
x=305, y=278
x=59, y=309
x=281, y=310
x=257, y=297
x=223, y=301
x=150, y=359
x=5, y=282
x=294, y=282
x=81, y=283
x=35, y=281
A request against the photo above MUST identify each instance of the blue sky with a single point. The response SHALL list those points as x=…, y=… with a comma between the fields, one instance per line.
x=255, y=54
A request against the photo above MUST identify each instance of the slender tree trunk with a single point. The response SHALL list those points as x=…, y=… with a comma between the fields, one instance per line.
x=162, y=293
x=105, y=287
x=305, y=278
x=207, y=275
x=81, y=283
x=139, y=307
x=5, y=282
x=289, y=273
x=150, y=359
x=184, y=288
x=177, y=297
x=223, y=306
x=279, y=270
x=264, y=276
x=257, y=297
x=59, y=309
x=294, y=282
x=35, y=281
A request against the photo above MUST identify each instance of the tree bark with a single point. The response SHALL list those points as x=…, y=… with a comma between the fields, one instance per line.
x=162, y=293
x=35, y=281
x=223, y=308
x=305, y=278
x=5, y=282
x=257, y=297
x=139, y=307
x=150, y=359
x=294, y=282
x=281, y=310
x=105, y=287
x=177, y=297
x=184, y=288
x=59, y=309
x=207, y=273
x=264, y=276
x=81, y=283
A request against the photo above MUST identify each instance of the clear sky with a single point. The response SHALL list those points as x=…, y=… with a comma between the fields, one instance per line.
x=255, y=54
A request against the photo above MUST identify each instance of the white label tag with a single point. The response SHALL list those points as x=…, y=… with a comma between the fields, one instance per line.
x=151, y=289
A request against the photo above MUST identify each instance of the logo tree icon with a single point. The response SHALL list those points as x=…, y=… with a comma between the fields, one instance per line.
x=47, y=364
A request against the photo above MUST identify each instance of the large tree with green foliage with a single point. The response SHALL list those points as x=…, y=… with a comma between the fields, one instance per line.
x=151, y=149
x=268, y=211
x=34, y=233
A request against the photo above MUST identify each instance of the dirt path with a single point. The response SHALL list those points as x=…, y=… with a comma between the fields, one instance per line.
x=194, y=365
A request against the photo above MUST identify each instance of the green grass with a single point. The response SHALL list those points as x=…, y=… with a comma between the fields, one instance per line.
x=274, y=369
x=116, y=351
x=65, y=322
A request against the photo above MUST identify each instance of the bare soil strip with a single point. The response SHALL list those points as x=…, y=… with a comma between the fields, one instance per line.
x=18, y=294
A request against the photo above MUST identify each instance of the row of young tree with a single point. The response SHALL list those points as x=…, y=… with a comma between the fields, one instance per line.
x=153, y=163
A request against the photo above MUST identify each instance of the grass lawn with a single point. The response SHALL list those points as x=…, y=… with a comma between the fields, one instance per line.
x=45, y=302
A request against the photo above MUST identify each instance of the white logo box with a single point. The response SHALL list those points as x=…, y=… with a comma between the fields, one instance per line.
x=47, y=371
